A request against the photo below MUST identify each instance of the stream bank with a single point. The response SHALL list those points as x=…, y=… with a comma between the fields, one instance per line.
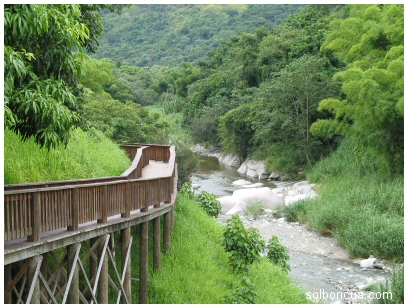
x=322, y=268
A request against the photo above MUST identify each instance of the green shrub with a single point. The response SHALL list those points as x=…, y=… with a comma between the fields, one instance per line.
x=278, y=254
x=295, y=211
x=243, y=294
x=209, y=203
x=243, y=245
x=187, y=190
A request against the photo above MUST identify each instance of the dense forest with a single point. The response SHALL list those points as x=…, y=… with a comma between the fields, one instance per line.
x=167, y=35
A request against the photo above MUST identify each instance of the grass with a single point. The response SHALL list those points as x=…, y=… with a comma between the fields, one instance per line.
x=88, y=155
x=360, y=206
x=392, y=290
x=254, y=208
x=196, y=270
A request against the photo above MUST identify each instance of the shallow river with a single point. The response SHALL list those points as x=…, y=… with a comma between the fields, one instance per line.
x=318, y=264
x=215, y=177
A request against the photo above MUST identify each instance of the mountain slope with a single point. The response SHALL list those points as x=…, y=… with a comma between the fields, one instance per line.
x=147, y=35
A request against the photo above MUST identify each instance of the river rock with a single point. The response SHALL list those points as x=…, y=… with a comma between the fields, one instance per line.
x=231, y=160
x=255, y=185
x=250, y=195
x=368, y=263
x=241, y=183
x=275, y=176
x=253, y=169
x=238, y=207
x=227, y=203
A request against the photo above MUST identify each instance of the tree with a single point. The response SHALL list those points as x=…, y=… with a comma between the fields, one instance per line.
x=44, y=51
x=291, y=101
x=371, y=110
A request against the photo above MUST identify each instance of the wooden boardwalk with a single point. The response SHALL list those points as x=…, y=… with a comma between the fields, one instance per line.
x=145, y=192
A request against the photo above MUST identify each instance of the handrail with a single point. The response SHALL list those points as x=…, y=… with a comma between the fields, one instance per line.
x=134, y=154
x=33, y=208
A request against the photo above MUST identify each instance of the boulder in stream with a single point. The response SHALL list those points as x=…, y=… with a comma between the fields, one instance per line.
x=269, y=199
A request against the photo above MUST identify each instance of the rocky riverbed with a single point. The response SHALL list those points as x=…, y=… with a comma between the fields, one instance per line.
x=321, y=267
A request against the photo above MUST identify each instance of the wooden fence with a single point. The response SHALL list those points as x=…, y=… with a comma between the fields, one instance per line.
x=33, y=208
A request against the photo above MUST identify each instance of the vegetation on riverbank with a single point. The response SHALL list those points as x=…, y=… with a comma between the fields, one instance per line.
x=358, y=204
x=88, y=155
x=197, y=270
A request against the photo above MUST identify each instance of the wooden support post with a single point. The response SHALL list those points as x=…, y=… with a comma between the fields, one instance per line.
x=93, y=265
x=127, y=285
x=44, y=271
x=7, y=281
x=167, y=231
x=35, y=218
x=74, y=211
x=102, y=292
x=156, y=244
x=144, y=258
x=33, y=281
x=73, y=294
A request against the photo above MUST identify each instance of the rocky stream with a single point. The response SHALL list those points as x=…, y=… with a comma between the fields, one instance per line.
x=319, y=265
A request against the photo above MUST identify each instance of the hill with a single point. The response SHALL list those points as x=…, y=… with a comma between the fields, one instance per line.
x=148, y=35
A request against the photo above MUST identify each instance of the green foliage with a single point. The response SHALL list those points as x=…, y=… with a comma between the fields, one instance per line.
x=187, y=161
x=149, y=35
x=278, y=254
x=236, y=130
x=171, y=103
x=88, y=155
x=187, y=191
x=371, y=110
x=290, y=107
x=196, y=255
x=244, y=294
x=358, y=204
x=125, y=123
x=243, y=245
x=392, y=290
x=209, y=203
x=41, y=69
x=295, y=211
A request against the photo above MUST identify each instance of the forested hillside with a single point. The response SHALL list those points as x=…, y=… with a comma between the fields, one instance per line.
x=167, y=35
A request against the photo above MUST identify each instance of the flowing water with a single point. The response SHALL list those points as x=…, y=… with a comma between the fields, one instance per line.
x=322, y=268
x=217, y=178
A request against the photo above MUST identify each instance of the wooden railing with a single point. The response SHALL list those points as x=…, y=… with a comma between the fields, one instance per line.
x=33, y=208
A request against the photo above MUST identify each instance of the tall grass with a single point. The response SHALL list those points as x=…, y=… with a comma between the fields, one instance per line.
x=88, y=155
x=359, y=204
x=196, y=270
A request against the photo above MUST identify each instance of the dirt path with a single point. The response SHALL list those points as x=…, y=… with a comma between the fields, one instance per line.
x=318, y=264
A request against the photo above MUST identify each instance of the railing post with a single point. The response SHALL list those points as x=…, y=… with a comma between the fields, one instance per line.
x=127, y=201
x=146, y=197
x=104, y=206
x=35, y=218
x=74, y=211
